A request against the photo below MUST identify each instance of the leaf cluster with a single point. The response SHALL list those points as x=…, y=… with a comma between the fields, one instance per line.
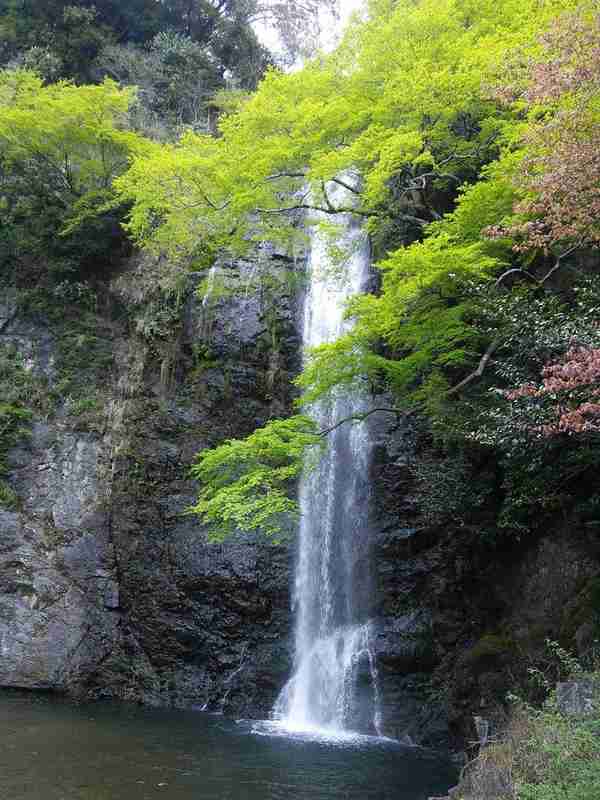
x=61, y=147
x=246, y=483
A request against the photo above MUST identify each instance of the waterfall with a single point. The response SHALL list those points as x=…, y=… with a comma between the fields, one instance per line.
x=210, y=285
x=334, y=684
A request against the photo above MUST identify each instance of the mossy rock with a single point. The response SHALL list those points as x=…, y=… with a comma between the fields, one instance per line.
x=490, y=649
x=585, y=609
x=9, y=500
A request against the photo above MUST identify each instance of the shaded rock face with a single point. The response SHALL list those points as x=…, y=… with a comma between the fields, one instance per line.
x=577, y=698
x=106, y=588
x=462, y=612
x=57, y=586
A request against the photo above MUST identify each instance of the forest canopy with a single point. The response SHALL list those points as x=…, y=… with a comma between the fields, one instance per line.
x=465, y=135
x=471, y=131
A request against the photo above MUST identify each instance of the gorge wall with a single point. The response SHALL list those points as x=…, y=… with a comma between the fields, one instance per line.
x=466, y=610
x=108, y=590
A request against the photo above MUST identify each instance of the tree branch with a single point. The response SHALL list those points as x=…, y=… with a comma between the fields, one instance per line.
x=400, y=414
x=484, y=361
x=276, y=175
x=348, y=186
x=559, y=260
x=486, y=357
x=308, y=206
x=527, y=274
x=514, y=271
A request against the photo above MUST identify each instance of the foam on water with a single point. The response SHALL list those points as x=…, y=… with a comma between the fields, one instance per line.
x=334, y=687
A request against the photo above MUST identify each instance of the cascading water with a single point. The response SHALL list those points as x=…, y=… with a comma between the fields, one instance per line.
x=334, y=684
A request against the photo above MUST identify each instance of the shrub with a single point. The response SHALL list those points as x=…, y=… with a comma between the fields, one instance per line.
x=8, y=498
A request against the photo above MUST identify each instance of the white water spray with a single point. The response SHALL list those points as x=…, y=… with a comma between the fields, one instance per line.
x=334, y=684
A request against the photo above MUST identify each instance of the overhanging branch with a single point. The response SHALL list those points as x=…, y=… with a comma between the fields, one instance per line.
x=477, y=373
x=515, y=271
x=310, y=207
x=486, y=357
x=361, y=417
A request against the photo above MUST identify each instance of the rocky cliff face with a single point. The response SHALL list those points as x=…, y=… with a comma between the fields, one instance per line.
x=465, y=610
x=106, y=587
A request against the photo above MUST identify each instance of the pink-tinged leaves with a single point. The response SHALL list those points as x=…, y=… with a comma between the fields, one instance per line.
x=574, y=382
x=559, y=178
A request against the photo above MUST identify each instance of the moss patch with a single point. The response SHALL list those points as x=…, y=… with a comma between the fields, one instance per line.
x=584, y=609
x=21, y=392
x=488, y=650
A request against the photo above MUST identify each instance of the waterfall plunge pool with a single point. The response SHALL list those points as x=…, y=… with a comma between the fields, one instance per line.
x=53, y=750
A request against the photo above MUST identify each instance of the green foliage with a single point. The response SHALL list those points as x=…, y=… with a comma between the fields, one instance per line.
x=405, y=94
x=406, y=112
x=60, y=39
x=425, y=311
x=77, y=137
x=544, y=751
x=543, y=756
x=451, y=483
x=69, y=38
x=8, y=497
x=246, y=483
x=557, y=758
x=408, y=102
x=542, y=475
x=175, y=78
x=61, y=146
x=19, y=390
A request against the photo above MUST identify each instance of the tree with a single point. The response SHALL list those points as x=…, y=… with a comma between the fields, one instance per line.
x=70, y=33
x=572, y=385
x=558, y=180
x=175, y=79
x=61, y=146
x=75, y=32
x=246, y=483
x=403, y=103
x=442, y=163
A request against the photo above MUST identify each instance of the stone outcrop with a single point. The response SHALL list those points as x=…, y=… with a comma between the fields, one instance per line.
x=107, y=588
x=577, y=698
x=462, y=614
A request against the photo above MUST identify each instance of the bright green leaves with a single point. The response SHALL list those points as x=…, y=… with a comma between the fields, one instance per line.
x=407, y=89
x=407, y=104
x=246, y=484
x=418, y=332
x=179, y=201
x=61, y=147
x=79, y=134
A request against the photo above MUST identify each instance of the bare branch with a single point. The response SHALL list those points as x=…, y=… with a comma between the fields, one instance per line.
x=559, y=260
x=348, y=186
x=400, y=414
x=486, y=357
x=514, y=271
x=276, y=175
x=310, y=207
x=484, y=361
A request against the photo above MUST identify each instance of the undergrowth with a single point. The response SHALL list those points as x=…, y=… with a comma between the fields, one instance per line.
x=543, y=753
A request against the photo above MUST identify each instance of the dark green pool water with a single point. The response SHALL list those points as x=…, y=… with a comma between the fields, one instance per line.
x=51, y=750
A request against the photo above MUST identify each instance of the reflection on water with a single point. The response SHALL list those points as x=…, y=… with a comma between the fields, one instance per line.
x=51, y=750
